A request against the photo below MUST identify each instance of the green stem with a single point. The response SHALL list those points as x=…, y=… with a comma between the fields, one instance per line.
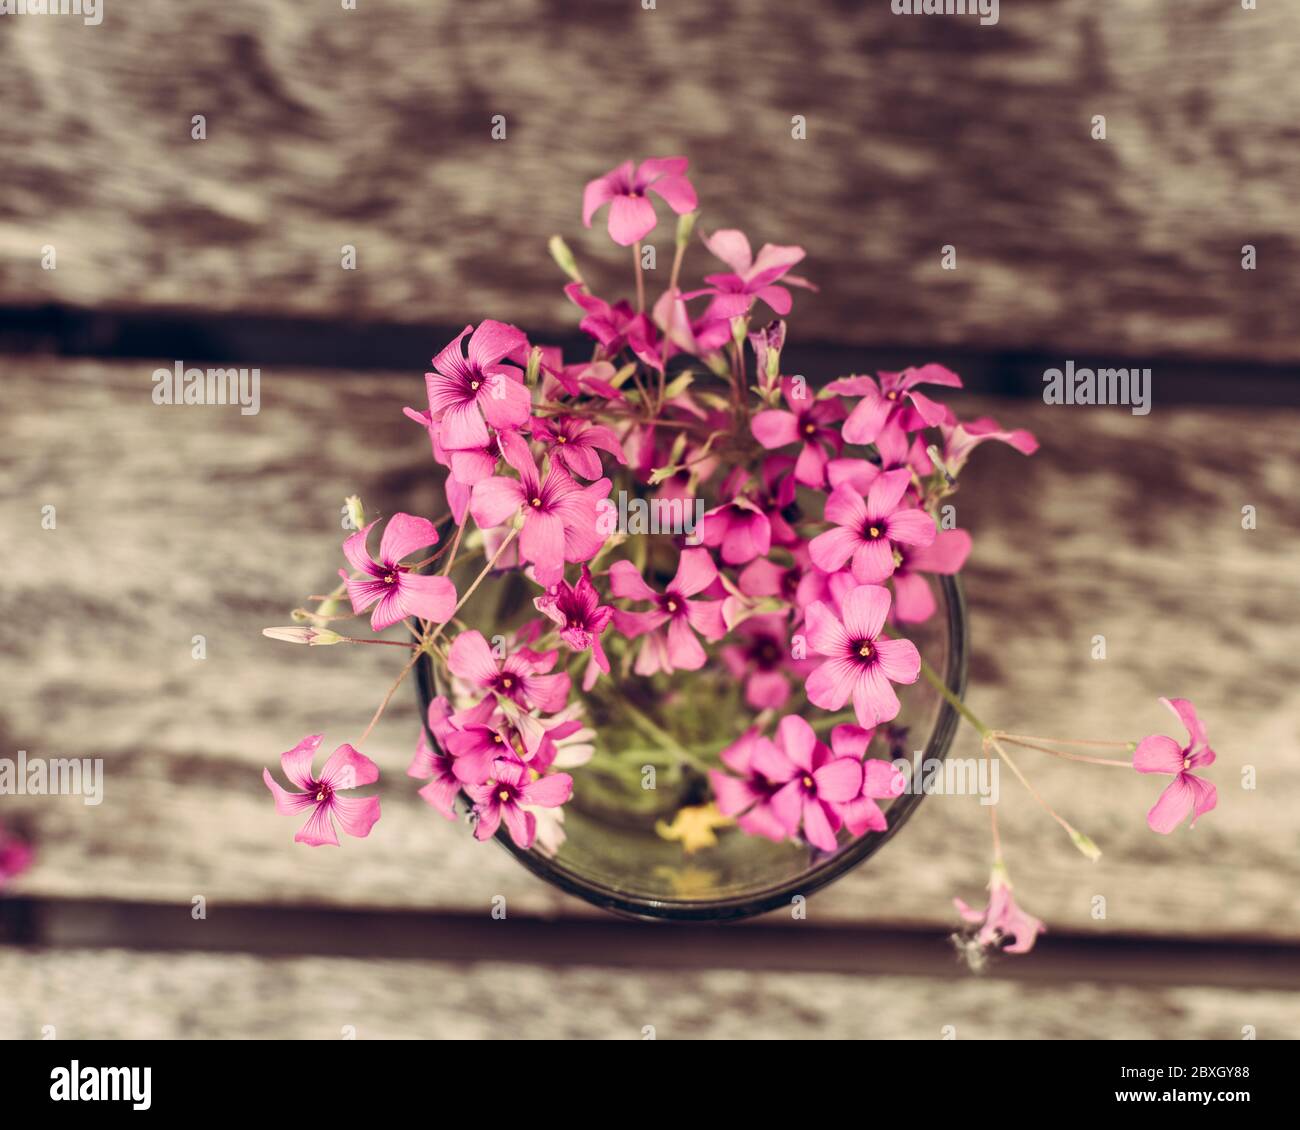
x=932, y=677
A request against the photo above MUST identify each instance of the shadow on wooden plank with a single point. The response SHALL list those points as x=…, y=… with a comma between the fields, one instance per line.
x=805, y=947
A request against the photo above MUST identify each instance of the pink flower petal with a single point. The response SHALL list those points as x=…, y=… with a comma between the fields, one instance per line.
x=874, y=700
x=865, y=608
x=403, y=535
x=774, y=428
x=356, y=815
x=495, y=500
x=287, y=803
x=626, y=582
x=429, y=598
x=1158, y=754
x=695, y=572
x=817, y=828
x=839, y=780
x=319, y=829
x=470, y=658
x=296, y=762
x=831, y=684
x=1186, y=712
x=899, y=660
x=684, y=651
x=797, y=741
x=348, y=768
x=631, y=218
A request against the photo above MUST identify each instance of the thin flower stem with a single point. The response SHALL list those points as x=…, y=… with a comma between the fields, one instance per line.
x=1065, y=741
x=661, y=737
x=389, y=696
x=478, y=580
x=1067, y=756
x=455, y=546
x=993, y=816
x=932, y=677
x=1082, y=842
x=640, y=278
x=383, y=643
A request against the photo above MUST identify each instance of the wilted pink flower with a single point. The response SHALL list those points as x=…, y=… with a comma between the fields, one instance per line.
x=959, y=440
x=575, y=442
x=814, y=782
x=631, y=215
x=895, y=403
x=608, y=324
x=345, y=769
x=750, y=278
x=559, y=516
x=1002, y=919
x=880, y=780
x=505, y=794
x=580, y=615
x=946, y=555
x=860, y=665
x=679, y=649
x=867, y=531
x=395, y=591
x=1186, y=792
x=522, y=677
x=808, y=423
x=464, y=392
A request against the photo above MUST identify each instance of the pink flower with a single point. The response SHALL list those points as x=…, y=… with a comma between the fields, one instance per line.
x=631, y=215
x=1186, y=792
x=559, y=517
x=739, y=527
x=815, y=782
x=580, y=615
x=808, y=423
x=574, y=442
x=763, y=660
x=895, y=404
x=395, y=591
x=437, y=766
x=1002, y=919
x=959, y=440
x=750, y=278
x=748, y=796
x=504, y=795
x=679, y=650
x=609, y=325
x=15, y=856
x=860, y=665
x=522, y=677
x=913, y=598
x=880, y=780
x=867, y=531
x=345, y=769
x=466, y=392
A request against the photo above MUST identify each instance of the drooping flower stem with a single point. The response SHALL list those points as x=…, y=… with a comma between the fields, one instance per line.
x=389, y=696
x=1068, y=741
x=1067, y=756
x=932, y=677
x=479, y=579
x=991, y=738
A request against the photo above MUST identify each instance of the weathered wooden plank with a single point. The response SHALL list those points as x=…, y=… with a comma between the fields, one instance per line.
x=200, y=521
x=372, y=129
x=112, y=994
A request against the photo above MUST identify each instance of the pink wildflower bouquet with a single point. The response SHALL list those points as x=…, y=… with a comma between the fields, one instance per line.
x=674, y=527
